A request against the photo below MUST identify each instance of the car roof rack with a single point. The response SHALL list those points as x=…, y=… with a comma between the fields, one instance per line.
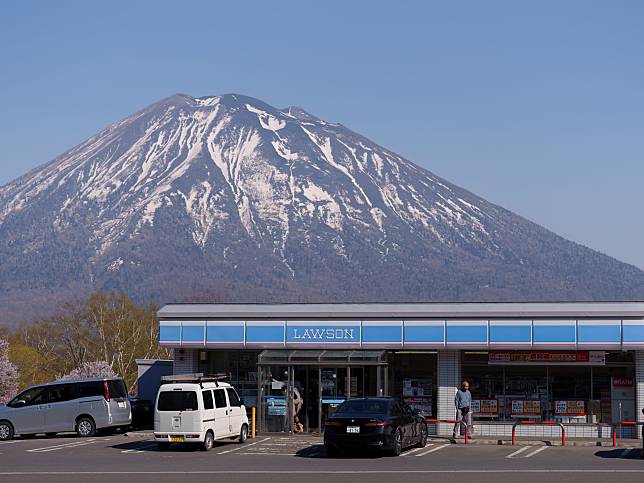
x=197, y=377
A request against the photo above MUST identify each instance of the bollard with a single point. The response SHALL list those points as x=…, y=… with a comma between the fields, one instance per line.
x=253, y=413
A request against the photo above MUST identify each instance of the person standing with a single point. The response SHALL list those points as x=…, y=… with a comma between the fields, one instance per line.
x=463, y=404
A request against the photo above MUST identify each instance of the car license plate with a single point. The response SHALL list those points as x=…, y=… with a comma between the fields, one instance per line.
x=122, y=404
x=176, y=439
x=353, y=429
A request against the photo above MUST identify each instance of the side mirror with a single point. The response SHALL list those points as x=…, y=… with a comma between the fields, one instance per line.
x=241, y=402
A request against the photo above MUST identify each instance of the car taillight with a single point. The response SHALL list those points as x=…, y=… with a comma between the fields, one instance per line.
x=106, y=391
x=377, y=423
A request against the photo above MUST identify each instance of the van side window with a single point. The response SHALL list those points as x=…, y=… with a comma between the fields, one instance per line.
x=31, y=397
x=62, y=393
x=207, y=399
x=90, y=389
x=220, y=398
x=233, y=397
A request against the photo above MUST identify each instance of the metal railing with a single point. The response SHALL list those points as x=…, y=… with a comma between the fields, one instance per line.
x=625, y=423
x=534, y=423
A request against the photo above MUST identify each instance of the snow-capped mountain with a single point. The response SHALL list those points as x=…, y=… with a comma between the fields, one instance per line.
x=228, y=198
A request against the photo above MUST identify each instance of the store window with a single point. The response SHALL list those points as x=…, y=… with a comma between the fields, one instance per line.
x=414, y=379
x=564, y=386
x=239, y=365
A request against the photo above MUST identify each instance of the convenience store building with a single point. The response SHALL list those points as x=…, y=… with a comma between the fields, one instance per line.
x=581, y=364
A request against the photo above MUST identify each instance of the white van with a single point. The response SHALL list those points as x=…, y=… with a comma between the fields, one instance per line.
x=197, y=409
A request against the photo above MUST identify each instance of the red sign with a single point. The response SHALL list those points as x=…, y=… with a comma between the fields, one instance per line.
x=622, y=381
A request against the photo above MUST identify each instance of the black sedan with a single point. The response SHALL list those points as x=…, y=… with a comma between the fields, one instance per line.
x=374, y=423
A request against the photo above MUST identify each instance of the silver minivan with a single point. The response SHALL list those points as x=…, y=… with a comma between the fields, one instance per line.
x=82, y=405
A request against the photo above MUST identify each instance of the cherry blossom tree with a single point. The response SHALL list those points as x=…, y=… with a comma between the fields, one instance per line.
x=91, y=369
x=8, y=374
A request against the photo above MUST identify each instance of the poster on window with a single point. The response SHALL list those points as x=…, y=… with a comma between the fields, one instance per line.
x=569, y=408
x=421, y=404
x=485, y=407
x=526, y=408
x=413, y=387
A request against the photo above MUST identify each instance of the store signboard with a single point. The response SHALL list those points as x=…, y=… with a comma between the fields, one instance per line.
x=570, y=408
x=526, y=408
x=484, y=407
x=588, y=358
x=623, y=382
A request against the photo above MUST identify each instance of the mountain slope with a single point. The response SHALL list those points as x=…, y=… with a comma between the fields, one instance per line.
x=228, y=198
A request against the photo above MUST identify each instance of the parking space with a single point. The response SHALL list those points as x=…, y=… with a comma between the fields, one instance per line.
x=138, y=454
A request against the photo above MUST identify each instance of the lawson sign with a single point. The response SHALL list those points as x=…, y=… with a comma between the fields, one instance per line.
x=323, y=333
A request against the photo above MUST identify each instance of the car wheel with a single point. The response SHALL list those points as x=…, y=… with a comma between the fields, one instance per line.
x=85, y=427
x=163, y=446
x=208, y=442
x=397, y=444
x=422, y=440
x=243, y=434
x=6, y=431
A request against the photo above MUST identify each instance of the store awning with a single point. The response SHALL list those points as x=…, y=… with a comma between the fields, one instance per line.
x=322, y=358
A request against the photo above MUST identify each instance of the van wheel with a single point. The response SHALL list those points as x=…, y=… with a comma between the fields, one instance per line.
x=85, y=427
x=208, y=442
x=243, y=434
x=6, y=431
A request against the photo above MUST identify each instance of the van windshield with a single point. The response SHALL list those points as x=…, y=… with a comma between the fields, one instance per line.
x=177, y=401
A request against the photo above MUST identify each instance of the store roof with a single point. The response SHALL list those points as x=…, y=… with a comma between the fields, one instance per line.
x=406, y=310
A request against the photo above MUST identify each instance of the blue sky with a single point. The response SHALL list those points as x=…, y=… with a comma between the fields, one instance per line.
x=537, y=106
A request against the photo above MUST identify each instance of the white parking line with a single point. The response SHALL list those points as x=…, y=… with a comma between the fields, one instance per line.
x=244, y=446
x=626, y=451
x=412, y=451
x=57, y=447
x=434, y=449
x=520, y=450
x=536, y=451
x=140, y=448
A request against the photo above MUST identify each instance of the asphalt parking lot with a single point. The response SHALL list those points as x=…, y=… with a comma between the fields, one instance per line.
x=274, y=458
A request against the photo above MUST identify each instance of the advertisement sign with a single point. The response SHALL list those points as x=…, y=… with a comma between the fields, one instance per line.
x=421, y=404
x=570, y=408
x=485, y=407
x=595, y=358
x=526, y=408
x=417, y=387
x=276, y=405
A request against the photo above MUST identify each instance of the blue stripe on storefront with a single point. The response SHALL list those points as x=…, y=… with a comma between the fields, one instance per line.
x=555, y=334
x=467, y=333
x=225, y=333
x=510, y=333
x=193, y=333
x=412, y=334
x=381, y=333
x=431, y=334
x=593, y=334
x=633, y=333
x=265, y=333
x=169, y=333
